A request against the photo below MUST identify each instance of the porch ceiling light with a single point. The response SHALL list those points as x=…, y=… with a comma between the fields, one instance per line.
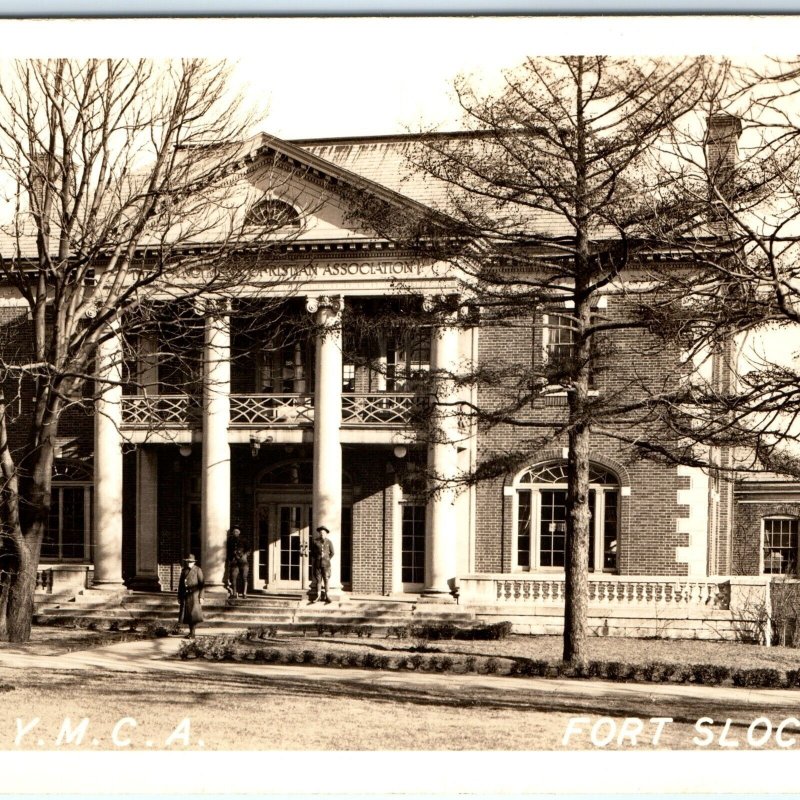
x=185, y=450
x=400, y=451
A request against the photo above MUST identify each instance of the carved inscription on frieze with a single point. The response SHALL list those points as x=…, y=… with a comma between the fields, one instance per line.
x=344, y=269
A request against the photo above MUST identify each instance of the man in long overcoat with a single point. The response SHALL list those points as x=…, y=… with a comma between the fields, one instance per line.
x=190, y=595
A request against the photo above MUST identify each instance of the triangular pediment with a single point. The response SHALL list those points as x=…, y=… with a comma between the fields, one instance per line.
x=324, y=197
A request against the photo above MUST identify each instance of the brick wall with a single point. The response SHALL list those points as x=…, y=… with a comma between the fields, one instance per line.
x=746, y=533
x=648, y=535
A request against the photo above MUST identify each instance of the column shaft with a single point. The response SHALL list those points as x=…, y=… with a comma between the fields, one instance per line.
x=327, y=494
x=108, y=465
x=216, y=458
x=146, y=518
x=440, y=542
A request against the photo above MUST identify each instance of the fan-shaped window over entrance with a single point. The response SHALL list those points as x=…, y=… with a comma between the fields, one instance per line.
x=540, y=513
x=270, y=213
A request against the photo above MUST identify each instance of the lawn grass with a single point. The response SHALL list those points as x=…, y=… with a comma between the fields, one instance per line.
x=53, y=641
x=275, y=710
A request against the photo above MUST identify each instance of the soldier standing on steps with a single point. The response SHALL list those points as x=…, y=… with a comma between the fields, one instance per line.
x=321, y=554
x=237, y=562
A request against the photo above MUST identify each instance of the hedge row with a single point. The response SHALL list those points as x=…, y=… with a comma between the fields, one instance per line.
x=434, y=631
x=225, y=648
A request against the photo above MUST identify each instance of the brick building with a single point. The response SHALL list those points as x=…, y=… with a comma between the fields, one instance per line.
x=285, y=433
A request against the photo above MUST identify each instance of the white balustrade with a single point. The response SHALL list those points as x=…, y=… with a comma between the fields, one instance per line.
x=604, y=590
x=256, y=410
x=379, y=409
x=162, y=410
x=272, y=409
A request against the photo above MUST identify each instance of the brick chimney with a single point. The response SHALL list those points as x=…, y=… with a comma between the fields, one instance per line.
x=722, y=152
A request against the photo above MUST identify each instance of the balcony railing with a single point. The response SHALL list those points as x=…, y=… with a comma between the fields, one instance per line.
x=377, y=409
x=248, y=410
x=604, y=590
x=380, y=409
x=160, y=411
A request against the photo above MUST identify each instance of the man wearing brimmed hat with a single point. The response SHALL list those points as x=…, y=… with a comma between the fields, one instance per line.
x=321, y=555
x=190, y=594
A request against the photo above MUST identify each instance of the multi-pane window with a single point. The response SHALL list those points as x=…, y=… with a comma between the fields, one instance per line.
x=541, y=518
x=407, y=361
x=283, y=369
x=558, y=341
x=780, y=545
x=559, y=335
x=68, y=536
x=413, y=554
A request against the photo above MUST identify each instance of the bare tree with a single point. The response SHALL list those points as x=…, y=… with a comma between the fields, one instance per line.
x=545, y=205
x=131, y=193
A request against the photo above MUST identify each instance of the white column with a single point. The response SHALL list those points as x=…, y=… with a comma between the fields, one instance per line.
x=108, y=465
x=146, y=517
x=327, y=493
x=216, y=461
x=442, y=518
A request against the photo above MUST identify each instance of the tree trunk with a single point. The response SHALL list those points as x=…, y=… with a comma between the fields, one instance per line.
x=577, y=564
x=20, y=590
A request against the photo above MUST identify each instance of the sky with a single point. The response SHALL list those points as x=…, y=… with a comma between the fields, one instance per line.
x=315, y=77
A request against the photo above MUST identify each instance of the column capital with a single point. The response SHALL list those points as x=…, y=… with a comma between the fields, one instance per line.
x=213, y=307
x=446, y=307
x=333, y=304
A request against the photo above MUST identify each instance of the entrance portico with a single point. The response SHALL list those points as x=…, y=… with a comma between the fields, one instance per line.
x=227, y=429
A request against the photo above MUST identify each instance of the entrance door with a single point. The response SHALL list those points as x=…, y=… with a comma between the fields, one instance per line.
x=289, y=547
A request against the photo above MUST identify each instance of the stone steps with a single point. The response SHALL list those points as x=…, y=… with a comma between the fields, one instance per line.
x=282, y=612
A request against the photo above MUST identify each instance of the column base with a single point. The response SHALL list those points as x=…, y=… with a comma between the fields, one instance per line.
x=215, y=589
x=431, y=596
x=109, y=586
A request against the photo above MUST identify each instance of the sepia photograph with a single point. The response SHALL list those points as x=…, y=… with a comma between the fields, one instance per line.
x=399, y=384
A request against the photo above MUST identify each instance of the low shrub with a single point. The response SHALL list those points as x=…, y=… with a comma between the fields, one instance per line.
x=710, y=674
x=682, y=674
x=619, y=671
x=415, y=661
x=433, y=631
x=491, y=666
x=793, y=678
x=762, y=678
x=330, y=659
x=273, y=656
x=469, y=664
x=261, y=632
x=156, y=630
x=530, y=668
x=484, y=632
x=353, y=659
x=307, y=657
x=397, y=631
x=364, y=630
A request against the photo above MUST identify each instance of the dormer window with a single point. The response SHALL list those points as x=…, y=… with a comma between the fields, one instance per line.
x=273, y=214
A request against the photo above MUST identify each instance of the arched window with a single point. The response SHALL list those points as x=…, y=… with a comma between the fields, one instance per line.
x=540, y=514
x=270, y=213
x=69, y=529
